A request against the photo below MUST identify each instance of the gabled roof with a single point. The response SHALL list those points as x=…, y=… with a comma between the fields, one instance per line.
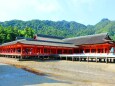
x=89, y=39
x=40, y=42
x=49, y=36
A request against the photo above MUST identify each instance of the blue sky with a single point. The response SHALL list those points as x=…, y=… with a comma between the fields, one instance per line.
x=81, y=11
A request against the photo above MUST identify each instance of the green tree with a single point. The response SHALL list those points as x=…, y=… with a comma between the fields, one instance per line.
x=9, y=37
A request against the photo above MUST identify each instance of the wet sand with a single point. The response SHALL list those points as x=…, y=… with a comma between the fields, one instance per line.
x=72, y=73
x=12, y=76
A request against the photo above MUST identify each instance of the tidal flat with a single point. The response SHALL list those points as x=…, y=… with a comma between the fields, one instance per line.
x=56, y=73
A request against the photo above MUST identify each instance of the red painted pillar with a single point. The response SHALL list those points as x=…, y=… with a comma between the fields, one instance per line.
x=49, y=50
x=43, y=50
x=40, y=50
x=35, y=50
x=72, y=51
x=90, y=50
x=84, y=51
x=79, y=51
x=62, y=51
x=108, y=50
x=96, y=50
x=56, y=50
x=21, y=50
x=15, y=49
x=104, y=50
x=68, y=51
x=10, y=50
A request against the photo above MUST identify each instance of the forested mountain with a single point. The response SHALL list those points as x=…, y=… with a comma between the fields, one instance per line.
x=9, y=30
x=60, y=28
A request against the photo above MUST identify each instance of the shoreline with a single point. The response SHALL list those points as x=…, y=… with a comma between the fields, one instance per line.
x=76, y=73
x=26, y=68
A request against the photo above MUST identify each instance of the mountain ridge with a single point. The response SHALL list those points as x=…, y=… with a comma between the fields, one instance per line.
x=56, y=28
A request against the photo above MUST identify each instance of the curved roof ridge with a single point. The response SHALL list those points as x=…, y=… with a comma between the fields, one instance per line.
x=50, y=36
x=13, y=41
x=86, y=36
x=90, y=39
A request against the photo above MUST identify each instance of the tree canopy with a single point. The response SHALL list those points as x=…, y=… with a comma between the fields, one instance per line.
x=9, y=30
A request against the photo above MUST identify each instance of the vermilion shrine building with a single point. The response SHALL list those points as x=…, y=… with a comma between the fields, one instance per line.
x=44, y=45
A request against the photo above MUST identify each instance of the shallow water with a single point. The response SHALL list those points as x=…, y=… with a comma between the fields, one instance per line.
x=11, y=76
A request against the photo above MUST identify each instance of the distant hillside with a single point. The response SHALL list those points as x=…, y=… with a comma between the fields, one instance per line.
x=59, y=28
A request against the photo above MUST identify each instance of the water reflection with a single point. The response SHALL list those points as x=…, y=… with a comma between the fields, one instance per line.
x=11, y=76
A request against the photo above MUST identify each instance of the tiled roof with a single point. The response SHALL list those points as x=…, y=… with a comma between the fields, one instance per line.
x=90, y=39
x=67, y=42
x=40, y=42
x=49, y=36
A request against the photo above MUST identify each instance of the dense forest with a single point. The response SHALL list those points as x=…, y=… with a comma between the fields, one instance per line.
x=9, y=30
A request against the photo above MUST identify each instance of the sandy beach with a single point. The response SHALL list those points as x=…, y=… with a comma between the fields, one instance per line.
x=72, y=73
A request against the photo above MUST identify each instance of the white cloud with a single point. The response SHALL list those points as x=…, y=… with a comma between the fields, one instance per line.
x=46, y=6
x=79, y=10
x=15, y=9
x=71, y=10
x=79, y=4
